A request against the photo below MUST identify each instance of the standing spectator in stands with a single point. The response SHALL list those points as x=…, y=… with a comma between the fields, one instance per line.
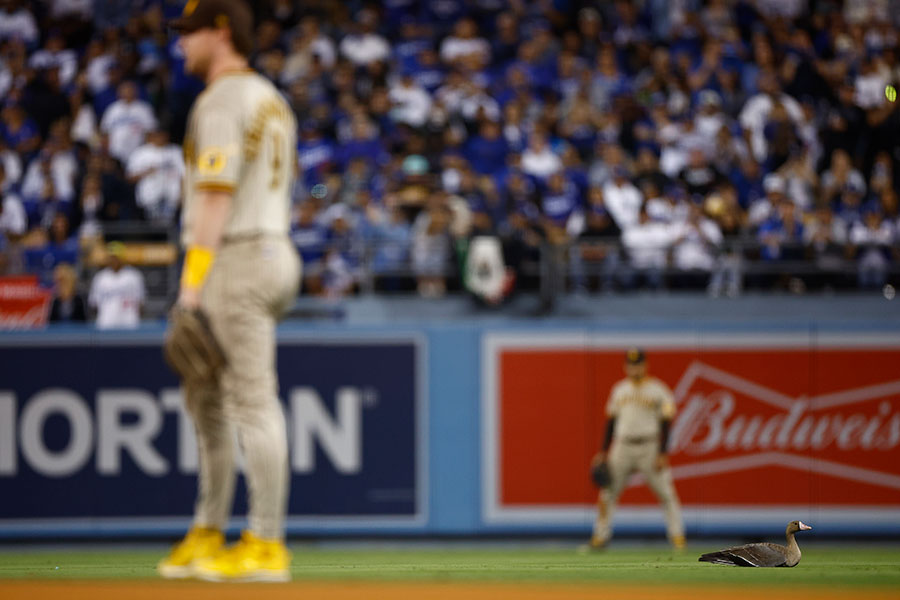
x=310, y=237
x=20, y=132
x=464, y=43
x=840, y=176
x=780, y=238
x=647, y=245
x=17, y=22
x=12, y=167
x=598, y=243
x=623, y=199
x=487, y=150
x=117, y=292
x=68, y=305
x=156, y=169
x=755, y=114
x=50, y=246
x=430, y=251
x=320, y=44
x=538, y=159
x=13, y=220
x=127, y=121
x=411, y=103
x=694, y=249
x=699, y=176
x=363, y=46
x=390, y=238
x=55, y=55
x=873, y=240
x=826, y=237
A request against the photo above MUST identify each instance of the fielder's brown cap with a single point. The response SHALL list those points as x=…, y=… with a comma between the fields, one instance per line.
x=234, y=14
x=635, y=356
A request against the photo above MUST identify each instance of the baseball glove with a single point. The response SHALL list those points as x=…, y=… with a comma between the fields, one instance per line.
x=191, y=348
x=600, y=474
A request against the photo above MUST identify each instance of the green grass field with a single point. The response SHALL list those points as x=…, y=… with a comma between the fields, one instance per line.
x=833, y=565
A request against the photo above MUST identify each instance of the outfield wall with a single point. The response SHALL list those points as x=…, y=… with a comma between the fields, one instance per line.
x=468, y=428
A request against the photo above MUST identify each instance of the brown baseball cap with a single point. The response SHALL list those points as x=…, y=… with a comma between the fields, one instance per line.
x=635, y=356
x=234, y=14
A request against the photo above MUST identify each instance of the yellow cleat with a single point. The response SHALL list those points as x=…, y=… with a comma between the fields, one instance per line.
x=199, y=543
x=251, y=559
x=595, y=545
x=678, y=542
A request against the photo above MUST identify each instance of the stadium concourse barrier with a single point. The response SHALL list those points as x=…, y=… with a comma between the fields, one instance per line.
x=473, y=426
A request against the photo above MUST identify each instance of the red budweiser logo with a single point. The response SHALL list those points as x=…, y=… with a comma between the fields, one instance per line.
x=727, y=423
x=23, y=303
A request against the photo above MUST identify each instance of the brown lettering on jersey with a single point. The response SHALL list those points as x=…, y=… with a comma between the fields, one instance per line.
x=188, y=151
x=270, y=109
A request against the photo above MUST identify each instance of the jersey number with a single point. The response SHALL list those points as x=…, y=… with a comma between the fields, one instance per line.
x=277, y=160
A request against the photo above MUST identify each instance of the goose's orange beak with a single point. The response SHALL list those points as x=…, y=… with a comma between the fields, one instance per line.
x=804, y=526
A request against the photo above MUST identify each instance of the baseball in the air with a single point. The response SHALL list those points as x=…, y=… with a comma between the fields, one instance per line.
x=890, y=93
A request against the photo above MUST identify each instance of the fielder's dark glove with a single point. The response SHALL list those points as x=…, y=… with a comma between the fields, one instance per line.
x=600, y=474
x=191, y=348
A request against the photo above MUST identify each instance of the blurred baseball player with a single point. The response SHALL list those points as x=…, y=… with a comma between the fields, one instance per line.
x=240, y=274
x=639, y=412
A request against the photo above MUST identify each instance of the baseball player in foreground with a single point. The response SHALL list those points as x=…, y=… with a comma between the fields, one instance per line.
x=240, y=274
x=639, y=412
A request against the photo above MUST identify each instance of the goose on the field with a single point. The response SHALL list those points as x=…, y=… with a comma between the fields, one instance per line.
x=761, y=555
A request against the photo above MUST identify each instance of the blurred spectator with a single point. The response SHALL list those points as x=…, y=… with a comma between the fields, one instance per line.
x=391, y=238
x=156, y=169
x=310, y=237
x=117, y=292
x=13, y=220
x=647, y=245
x=487, y=150
x=826, y=237
x=362, y=45
x=597, y=245
x=12, y=167
x=781, y=234
x=411, y=103
x=50, y=246
x=55, y=56
x=758, y=109
x=17, y=22
x=694, y=249
x=623, y=199
x=873, y=239
x=538, y=159
x=127, y=121
x=465, y=44
x=68, y=305
x=431, y=246
x=20, y=132
x=840, y=176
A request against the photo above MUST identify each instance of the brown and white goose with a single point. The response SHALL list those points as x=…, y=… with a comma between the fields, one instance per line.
x=761, y=555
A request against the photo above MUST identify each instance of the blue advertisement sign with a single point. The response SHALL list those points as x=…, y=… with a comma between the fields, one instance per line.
x=97, y=430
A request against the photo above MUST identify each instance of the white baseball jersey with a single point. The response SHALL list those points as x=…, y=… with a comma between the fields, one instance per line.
x=638, y=408
x=241, y=139
x=117, y=296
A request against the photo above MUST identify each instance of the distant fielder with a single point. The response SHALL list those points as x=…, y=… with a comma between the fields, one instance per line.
x=639, y=413
x=241, y=272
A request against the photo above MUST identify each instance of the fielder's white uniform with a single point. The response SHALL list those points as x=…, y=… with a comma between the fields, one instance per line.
x=241, y=140
x=638, y=409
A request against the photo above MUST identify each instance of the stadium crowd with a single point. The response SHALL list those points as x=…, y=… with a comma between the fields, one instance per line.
x=659, y=143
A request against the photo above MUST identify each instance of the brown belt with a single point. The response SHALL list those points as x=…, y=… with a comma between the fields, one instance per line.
x=251, y=236
x=640, y=440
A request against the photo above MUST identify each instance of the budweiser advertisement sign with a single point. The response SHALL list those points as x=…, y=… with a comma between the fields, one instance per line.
x=23, y=303
x=766, y=426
